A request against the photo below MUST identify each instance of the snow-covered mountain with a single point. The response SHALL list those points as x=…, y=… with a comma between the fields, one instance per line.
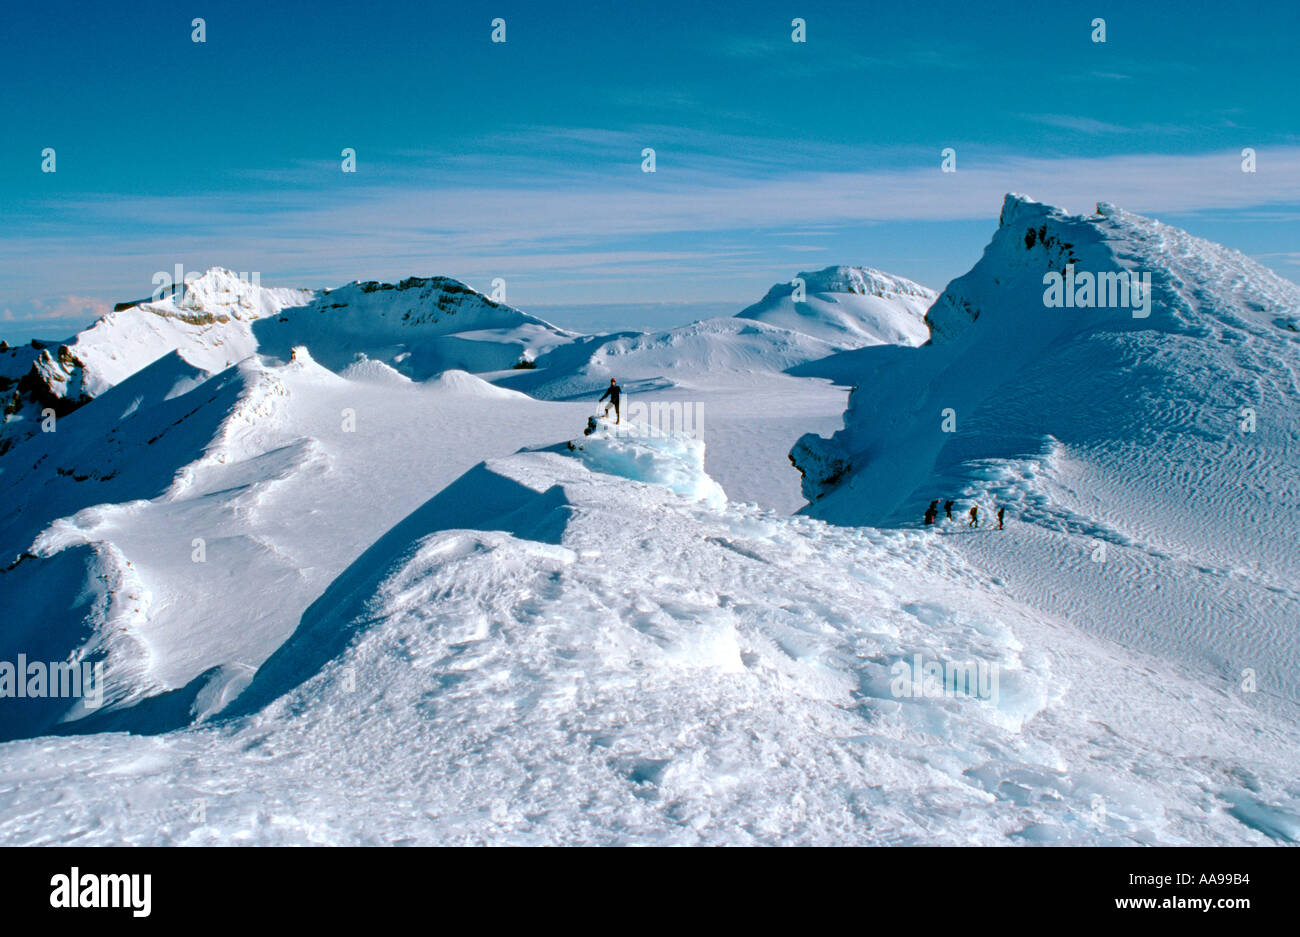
x=843, y=308
x=849, y=307
x=209, y=323
x=344, y=593
x=419, y=327
x=1130, y=449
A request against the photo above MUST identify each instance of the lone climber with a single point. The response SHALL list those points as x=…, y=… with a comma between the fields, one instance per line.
x=613, y=392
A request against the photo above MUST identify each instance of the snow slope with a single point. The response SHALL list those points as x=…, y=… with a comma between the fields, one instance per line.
x=1151, y=464
x=547, y=653
x=849, y=307
x=256, y=462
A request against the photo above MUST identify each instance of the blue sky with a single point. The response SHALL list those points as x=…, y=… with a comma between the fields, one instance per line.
x=523, y=160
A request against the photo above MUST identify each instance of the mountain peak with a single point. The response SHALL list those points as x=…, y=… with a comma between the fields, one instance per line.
x=860, y=281
x=848, y=306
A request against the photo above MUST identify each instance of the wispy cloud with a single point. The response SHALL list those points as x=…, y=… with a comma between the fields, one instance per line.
x=66, y=309
x=1092, y=126
x=590, y=225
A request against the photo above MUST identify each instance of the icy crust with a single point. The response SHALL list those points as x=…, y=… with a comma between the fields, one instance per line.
x=553, y=655
x=641, y=453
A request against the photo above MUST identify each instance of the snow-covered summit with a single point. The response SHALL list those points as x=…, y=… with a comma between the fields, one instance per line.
x=208, y=321
x=419, y=326
x=1135, y=294
x=1190, y=277
x=1148, y=440
x=849, y=306
x=218, y=293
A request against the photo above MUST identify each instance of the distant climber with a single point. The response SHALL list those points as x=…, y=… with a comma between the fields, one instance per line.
x=974, y=516
x=934, y=507
x=947, y=509
x=1001, y=511
x=929, y=515
x=613, y=392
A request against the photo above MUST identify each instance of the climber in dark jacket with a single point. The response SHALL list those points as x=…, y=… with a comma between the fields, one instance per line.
x=612, y=392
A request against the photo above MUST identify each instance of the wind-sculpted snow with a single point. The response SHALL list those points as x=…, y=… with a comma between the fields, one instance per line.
x=185, y=494
x=1150, y=463
x=550, y=654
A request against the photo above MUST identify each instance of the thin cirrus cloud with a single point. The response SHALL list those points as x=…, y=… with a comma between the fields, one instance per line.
x=585, y=211
x=592, y=224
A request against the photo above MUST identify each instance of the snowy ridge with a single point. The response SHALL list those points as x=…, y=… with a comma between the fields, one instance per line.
x=210, y=486
x=209, y=326
x=92, y=615
x=1173, y=440
x=418, y=327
